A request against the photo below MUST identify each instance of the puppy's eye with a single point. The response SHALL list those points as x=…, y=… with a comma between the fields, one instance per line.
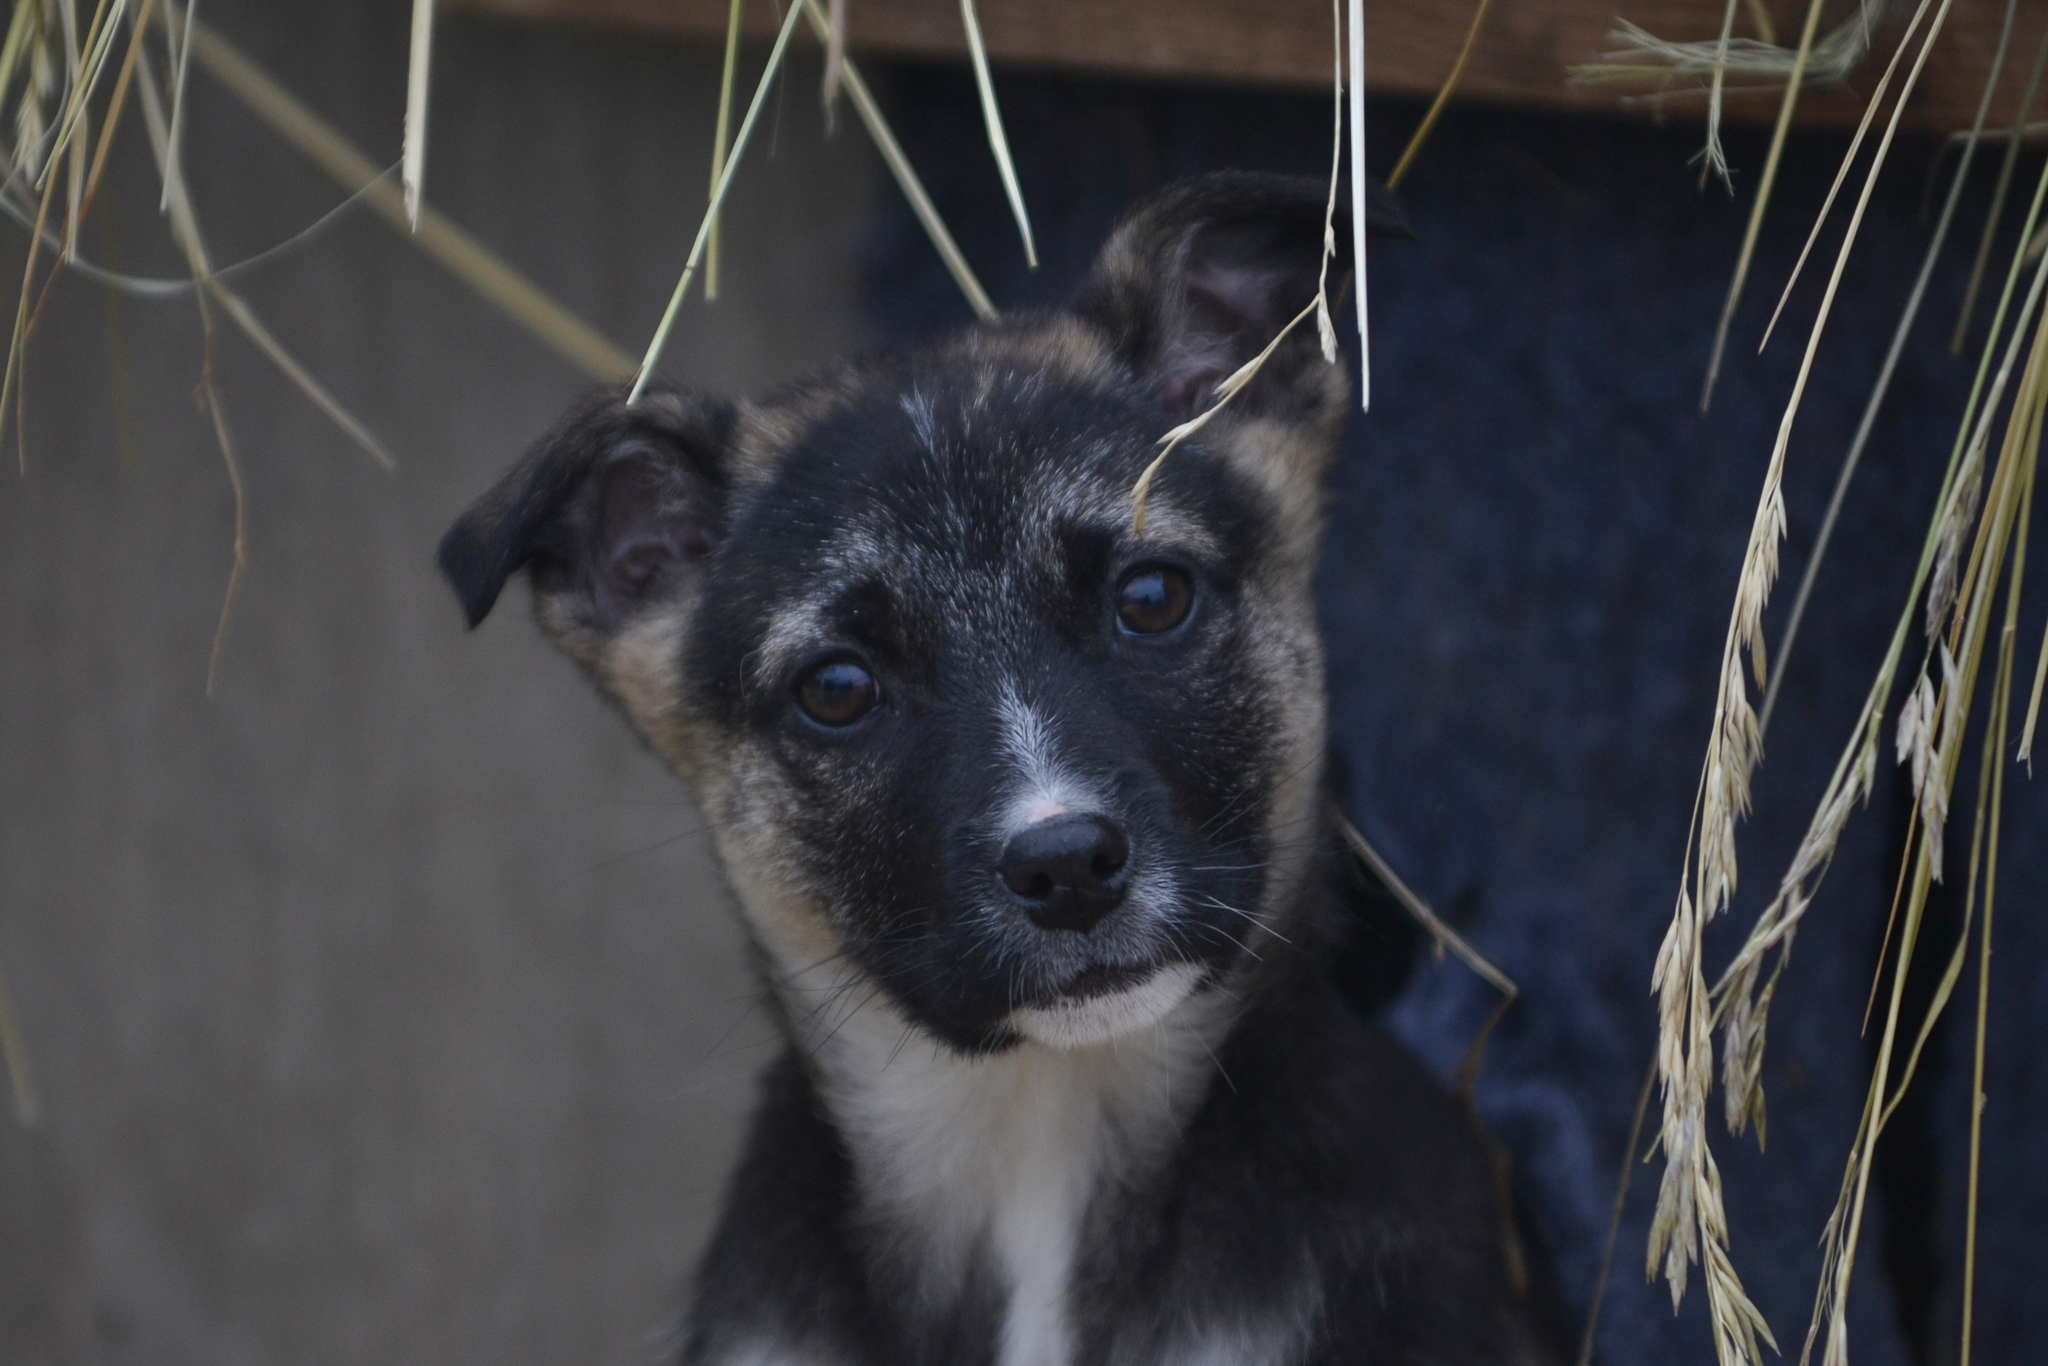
x=837, y=693
x=1153, y=599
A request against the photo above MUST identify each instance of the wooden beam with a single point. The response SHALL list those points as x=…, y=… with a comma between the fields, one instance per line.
x=1521, y=58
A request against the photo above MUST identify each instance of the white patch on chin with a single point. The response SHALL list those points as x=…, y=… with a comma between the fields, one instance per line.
x=769, y=1353
x=1277, y=1342
x=1087, y=1021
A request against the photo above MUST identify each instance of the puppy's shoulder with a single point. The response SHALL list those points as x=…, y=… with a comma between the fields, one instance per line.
x=1337, y=1180
x=781, y=1281
x=1321, y=1110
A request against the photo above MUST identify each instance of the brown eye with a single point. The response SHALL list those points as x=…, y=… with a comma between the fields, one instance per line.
x=838, y=693
x=1153, y=599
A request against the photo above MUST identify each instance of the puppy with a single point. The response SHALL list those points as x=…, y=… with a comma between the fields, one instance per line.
x=1026, y=816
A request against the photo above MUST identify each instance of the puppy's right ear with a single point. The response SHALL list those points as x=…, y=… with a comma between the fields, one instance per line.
x=608, y=511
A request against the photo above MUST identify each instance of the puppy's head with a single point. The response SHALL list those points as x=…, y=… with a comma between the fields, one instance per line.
x=957, y=728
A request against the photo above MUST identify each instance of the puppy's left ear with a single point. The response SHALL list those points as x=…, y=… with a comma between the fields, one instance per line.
x=1199, y=278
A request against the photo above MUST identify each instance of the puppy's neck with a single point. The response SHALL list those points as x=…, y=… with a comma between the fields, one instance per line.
x=992, y=1162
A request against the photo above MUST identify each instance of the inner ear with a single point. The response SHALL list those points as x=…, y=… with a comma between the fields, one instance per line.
x=640, y=524
x=1239, y=286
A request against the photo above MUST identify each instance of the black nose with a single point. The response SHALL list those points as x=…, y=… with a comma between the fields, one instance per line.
x=1068, y=871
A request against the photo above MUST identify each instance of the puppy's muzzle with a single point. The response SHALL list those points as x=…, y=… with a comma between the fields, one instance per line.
x=1067, y=873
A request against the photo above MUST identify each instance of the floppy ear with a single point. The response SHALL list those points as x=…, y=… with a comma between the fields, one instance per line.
x=609, y=510
x=1198, y=279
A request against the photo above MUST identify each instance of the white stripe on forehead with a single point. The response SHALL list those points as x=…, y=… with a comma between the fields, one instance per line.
x=1045, y=787
x=1077, y=490
x=918, y=409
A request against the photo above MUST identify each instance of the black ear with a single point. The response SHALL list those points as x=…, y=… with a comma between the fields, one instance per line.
x=610, y=506
x=1199, y=278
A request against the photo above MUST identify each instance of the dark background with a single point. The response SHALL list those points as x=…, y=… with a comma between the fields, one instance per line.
x=385, y=1005
x=1534, y=541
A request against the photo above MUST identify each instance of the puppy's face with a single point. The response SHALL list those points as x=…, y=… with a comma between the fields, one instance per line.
x=963, y=734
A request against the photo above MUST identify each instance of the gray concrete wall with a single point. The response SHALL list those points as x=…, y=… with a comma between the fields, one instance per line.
x=386, y=1007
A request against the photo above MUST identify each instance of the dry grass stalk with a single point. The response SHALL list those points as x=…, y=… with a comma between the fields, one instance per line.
x=1816, y=60
x=21, y=317
x=1690, y=1223
x=1856, y=145
x=21, y=46
x=115, y=104
x=448, y=245
x=1641, y=58
x=1793, y=80
x=1326, y=331
x=675, y=302
x=179, y=45
x=1994, y=748
x=67, y=132
x=719, y=139
x=185, y=231
x=906, y=177
x=1229, y=389
x=1929, y=735
x=1855, y=771
x=21, y=1079
x=1968, y=628
x=1878, y=391
x=835, y=58
x=166, y=287
x=72, y=74
x=1591, y=1333
x=31, y=44
x=1852, y=776
x=992, y=119
x=1990, y=778
x=1760, y=19
x=1443, y=97
x=885, y=142
x=1714, y=158
x=71, y=132
x=67, y=135
x=1326, y=328
x=418, y=76
x=1445, y=938
x=2013, y=139
x=2026, y=750
x=85, y=65
x=1356, y=50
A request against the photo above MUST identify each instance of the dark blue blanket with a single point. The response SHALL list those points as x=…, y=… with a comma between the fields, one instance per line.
x=1534, y=544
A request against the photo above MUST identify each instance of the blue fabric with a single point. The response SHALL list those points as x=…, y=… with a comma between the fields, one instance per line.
x=1534, y=543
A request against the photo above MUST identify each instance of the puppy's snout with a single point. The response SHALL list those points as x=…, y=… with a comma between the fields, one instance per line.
x=1068, y=872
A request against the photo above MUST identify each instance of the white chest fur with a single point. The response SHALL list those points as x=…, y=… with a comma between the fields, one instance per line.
x=1002, y=1155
